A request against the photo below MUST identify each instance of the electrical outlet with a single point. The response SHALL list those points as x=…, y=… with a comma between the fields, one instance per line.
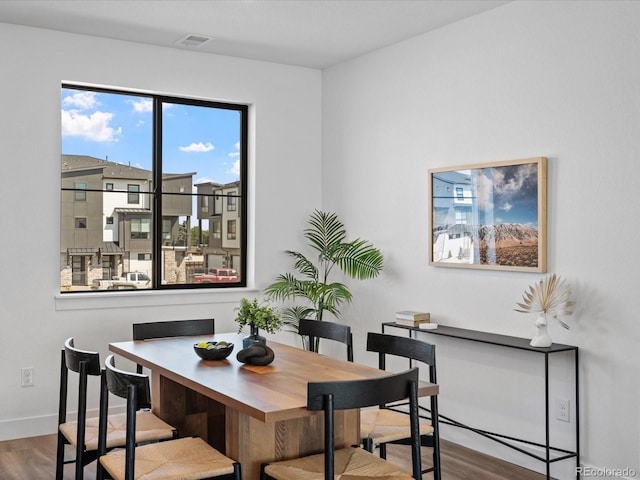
x=562, y=409
x=27, y=376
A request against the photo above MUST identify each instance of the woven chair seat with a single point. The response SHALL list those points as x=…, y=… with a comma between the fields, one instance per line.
x=350, y=464
x=183, y=459
x=148, y=428
x=383, y=425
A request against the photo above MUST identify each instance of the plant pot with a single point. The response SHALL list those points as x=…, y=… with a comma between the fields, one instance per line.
x=253, y=338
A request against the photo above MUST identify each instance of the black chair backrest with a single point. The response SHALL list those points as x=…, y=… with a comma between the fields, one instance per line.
x=119, y=381
x=74, y=357
x=173, y=328
x=405, y=347
x=315, y=329
x=84, y=363
x=344, y=395
x=135, y=388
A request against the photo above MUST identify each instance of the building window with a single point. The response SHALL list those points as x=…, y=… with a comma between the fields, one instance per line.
x=159, y=147
x=231, y=229
x=166, y=229
x=81, y=194
x=459, y=193
x=216, y=229
x=133, y=197
x=204, y=204
x=144, y=256
x=231, y=201
x=140, y=228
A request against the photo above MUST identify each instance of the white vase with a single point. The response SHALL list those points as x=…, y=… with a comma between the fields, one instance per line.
x=542, y=338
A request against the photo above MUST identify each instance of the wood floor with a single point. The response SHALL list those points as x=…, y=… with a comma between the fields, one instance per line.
x=35, y=459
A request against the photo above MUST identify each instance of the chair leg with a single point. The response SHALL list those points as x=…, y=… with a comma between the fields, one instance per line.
x=60, y=456
x=436, y=439
x=383, y=451
x=237, y=471
x=367, y=444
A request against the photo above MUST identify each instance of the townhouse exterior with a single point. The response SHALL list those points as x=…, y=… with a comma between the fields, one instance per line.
x=106, y=226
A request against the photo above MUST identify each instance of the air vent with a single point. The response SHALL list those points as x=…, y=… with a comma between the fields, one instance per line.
x=193, y=40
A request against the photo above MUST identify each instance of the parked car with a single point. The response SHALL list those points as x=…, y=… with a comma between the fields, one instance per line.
x=127, y=280
x=217, y=275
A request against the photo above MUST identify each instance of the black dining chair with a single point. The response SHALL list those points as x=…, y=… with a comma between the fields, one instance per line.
x=82, y=434
x=317, y=329
x=389, y=423
x=353, y=462
x=184, y=458
x=172, y=328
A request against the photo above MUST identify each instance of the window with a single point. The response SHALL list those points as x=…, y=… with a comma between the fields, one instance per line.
x=164, y=166
x=216, y=229
x=231, y=201
x=204, y=204
x=231, y=229
x=80, y=193
x=166, y=229
x=459, y=193
x=134, y=194
x=140, y=228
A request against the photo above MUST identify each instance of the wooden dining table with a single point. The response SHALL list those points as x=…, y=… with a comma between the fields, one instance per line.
x=254, y=414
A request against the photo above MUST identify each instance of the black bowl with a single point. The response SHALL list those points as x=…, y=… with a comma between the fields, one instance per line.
x=212, y=351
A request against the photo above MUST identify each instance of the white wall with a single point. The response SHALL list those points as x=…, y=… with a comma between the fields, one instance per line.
x=284, y=147
x=554, y=79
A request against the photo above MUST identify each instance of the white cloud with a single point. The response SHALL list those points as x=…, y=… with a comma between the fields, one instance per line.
x=236, y=153
x=484, y=192
x=506, y=206
x=93, y=127
x=82, y=100
x=202, y=180
x=523, y=175
x=235, y=168
x=198, y=147
x=142, y=106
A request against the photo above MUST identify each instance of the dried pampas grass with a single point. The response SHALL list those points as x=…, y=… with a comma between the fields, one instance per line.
x=551, y=295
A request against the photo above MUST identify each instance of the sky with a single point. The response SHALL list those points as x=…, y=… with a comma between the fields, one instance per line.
x=509, y=194
x=118, y=128
x=499, y=195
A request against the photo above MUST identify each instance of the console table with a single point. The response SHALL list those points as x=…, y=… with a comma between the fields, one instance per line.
x=552, y=454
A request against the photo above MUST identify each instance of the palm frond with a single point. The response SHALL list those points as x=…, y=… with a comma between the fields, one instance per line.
x=359, y=259
x=303, y=264
x=326, y=231
x=550, y=295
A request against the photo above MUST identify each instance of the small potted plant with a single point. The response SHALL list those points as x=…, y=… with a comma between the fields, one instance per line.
x=257, y=316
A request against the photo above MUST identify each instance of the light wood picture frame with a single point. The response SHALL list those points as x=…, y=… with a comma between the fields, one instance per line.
x=489, y=216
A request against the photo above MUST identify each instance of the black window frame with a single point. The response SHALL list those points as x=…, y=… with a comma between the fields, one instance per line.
x=157, y=193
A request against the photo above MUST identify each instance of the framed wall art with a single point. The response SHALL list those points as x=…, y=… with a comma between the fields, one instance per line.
x=490, y=216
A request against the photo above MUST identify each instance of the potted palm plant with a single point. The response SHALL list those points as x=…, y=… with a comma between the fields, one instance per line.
x=327, y=237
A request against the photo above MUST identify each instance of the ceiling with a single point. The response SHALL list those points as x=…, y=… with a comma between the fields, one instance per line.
x=309, y=33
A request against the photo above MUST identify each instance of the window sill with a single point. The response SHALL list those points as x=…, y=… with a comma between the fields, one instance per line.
x=155, y=298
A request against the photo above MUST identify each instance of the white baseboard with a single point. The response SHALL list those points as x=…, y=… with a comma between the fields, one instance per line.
x=42, y=425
